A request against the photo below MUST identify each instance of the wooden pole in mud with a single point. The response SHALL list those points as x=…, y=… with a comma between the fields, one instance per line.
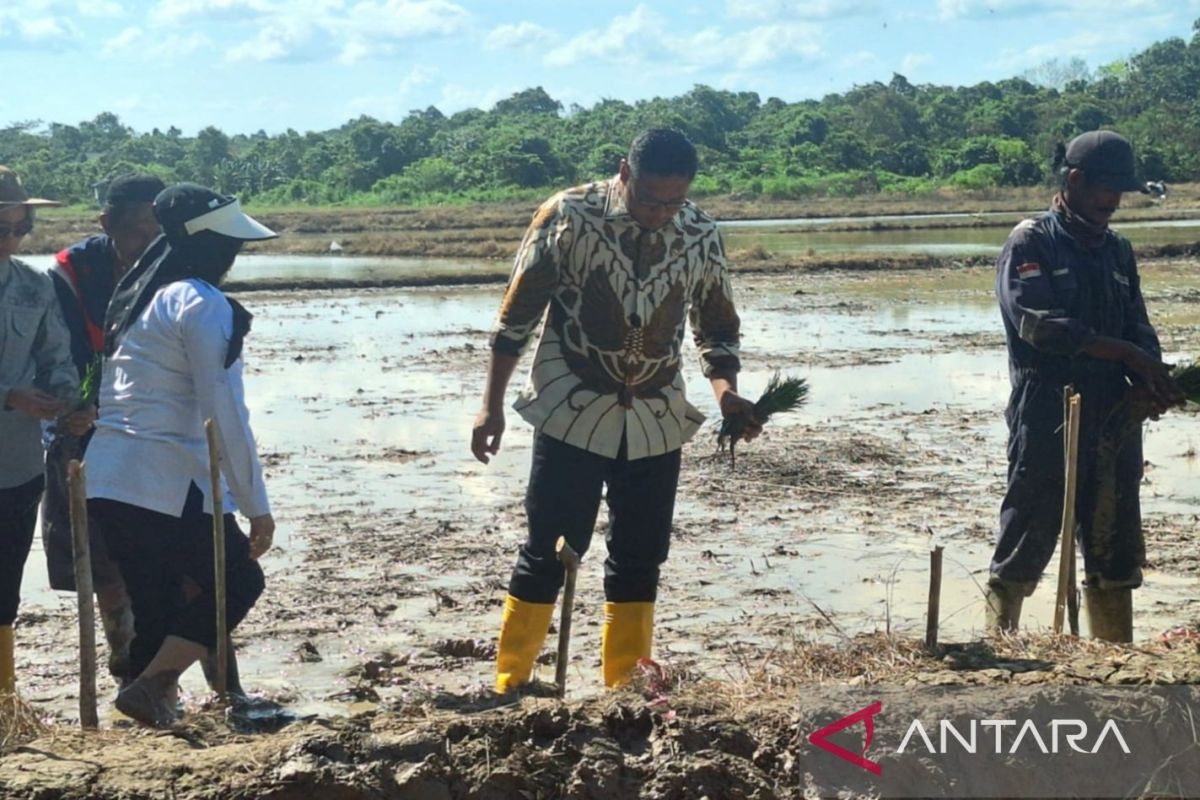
x=84, y=590
x=570, y=562
x=1066, y=559
x=935, y=597
x=1072, y=586
x=218, y=515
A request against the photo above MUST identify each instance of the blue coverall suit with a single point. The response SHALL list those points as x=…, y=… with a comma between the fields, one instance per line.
x=1056, y=297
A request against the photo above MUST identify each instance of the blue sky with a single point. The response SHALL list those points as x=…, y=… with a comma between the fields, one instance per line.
x=246, y=65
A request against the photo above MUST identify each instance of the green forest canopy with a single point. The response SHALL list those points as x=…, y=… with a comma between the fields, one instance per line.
x=890, y=137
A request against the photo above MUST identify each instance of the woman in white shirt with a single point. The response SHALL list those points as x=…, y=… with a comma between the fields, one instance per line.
x=172, y=344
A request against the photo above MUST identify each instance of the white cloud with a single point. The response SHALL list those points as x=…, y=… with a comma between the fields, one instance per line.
x=48, y=24
x=178, y=12
x=644, y=36
x=770, y=43
x=523, y=35
x=396, y=104
x=42, y=8
x=639, y=31
x=799, y=9
x=420, y=75
x=46, y=30
x=123, y=40
x=157, y=46
x=327, y=28
x=101, y=8
x=912, y=62
x=284, y=40
x=177, y=46
x=405, y=19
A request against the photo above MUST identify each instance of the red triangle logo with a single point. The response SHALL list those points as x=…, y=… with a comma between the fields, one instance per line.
x=867, y=717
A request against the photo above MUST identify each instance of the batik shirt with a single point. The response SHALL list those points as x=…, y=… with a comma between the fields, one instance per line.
x=607, y=366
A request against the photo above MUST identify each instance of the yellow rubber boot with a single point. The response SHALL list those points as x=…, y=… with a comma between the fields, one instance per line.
x=523, y=629
x=626, y=636
x=8, y=674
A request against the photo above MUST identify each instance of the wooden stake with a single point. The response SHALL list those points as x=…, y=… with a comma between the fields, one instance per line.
x=1072, y=591
x=570, y=561
x=218, y=515
x=84, y=590
x=935, y=597
x=1066, y=559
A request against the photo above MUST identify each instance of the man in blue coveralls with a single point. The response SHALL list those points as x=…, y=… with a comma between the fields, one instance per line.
x=1074, y=315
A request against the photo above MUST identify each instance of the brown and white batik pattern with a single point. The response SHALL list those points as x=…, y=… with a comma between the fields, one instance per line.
x=608, y=362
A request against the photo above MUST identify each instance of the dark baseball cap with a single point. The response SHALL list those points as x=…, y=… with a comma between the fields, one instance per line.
x=185, y=209
x=128, y=190
x=1107, y=158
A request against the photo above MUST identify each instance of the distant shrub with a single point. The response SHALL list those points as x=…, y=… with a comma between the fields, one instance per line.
x=981, y=176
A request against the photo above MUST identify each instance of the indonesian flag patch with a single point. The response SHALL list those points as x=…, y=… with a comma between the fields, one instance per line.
x=1030, y=270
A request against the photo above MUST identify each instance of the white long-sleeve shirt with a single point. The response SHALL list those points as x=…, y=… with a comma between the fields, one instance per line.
x=166, y=377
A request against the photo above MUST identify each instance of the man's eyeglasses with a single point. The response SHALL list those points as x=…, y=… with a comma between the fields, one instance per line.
x=16, y=231
x=652, y=204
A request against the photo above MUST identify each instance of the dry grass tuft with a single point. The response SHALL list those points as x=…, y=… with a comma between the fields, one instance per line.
x=786, y=675
x=19, y=723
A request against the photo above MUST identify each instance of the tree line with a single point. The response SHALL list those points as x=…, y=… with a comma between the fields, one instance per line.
x=879, y=137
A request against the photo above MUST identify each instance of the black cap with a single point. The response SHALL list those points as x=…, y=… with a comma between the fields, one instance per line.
x=1107, y=158
x=126, y=190
x=188, y=208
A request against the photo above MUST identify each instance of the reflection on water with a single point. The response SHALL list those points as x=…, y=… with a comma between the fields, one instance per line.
x=931, y=241
x=795, y=222
x=311, y=267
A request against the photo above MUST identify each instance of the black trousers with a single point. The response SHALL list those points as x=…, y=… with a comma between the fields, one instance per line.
x=18, y=518
x=563, y=499
x=1114, y=550
x=158, y=555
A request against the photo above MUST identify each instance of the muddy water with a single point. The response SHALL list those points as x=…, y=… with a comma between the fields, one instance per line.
x=391, y=537
x=786, y=238
x=359, y=268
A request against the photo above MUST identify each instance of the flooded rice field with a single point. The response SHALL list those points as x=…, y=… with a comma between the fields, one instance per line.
x=394, y=545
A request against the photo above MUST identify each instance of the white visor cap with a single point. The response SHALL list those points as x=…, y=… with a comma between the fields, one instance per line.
x=229, y=220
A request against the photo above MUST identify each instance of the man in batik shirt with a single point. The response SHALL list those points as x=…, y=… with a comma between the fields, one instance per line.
x=622, y=265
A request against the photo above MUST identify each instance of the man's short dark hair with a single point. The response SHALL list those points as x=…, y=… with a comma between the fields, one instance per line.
x=663, y=152
x=127, y=191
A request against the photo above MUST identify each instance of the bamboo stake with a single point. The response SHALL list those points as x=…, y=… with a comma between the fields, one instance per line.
x=1066, y=560
x=84, y=590
x=935, y=597
x=218, y=514
x=1072, y=585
